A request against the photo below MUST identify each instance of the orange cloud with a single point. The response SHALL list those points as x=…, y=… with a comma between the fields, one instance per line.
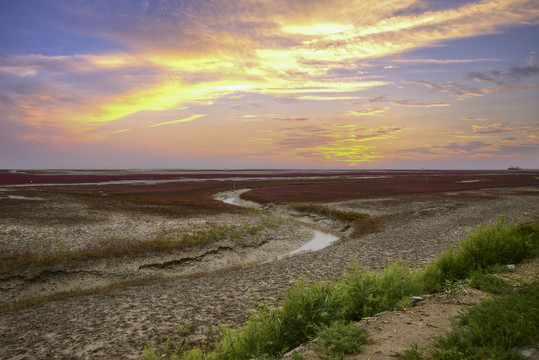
x=491, y=129
x=190, y=118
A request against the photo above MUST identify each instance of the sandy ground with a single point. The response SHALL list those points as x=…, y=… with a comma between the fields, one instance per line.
x=117, y=324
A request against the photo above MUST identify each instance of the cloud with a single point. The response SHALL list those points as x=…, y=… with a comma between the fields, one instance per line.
x=440, y=61
x=418, y=150
x=507, y=87
x=368, y=112
x=118, y=131
x=338, y=143
x=513, y=79
x=169, y=54
x=491, y=129
x=474, y=119
x=458, y=90
x=516, y=73
x=300, y=137
x=190, y=118
x=411, y=103
x=504, y=81
x=471, y=148
x=291, y=119
x=406, y=102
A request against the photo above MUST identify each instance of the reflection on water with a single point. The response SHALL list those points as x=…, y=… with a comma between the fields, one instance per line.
x=320, y=241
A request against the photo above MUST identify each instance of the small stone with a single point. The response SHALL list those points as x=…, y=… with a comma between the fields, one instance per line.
x=511, y=266
x=379, y=352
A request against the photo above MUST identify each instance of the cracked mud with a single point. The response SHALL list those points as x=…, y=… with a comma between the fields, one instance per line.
x=210, y=286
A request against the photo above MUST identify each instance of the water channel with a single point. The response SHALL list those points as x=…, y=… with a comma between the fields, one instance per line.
x=320, y=240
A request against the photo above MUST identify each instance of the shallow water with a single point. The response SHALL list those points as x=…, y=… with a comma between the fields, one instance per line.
x=230, y=200
x=320, y=240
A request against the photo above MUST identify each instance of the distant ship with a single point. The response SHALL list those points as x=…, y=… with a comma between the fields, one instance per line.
x=514, y=168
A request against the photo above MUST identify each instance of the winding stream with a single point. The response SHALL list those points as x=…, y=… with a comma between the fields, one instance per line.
x=320, y=240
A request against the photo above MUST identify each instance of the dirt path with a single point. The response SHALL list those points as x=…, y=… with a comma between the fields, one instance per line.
x=117, y=324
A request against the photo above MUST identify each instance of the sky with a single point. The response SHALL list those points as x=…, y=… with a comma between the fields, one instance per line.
x=238, y=84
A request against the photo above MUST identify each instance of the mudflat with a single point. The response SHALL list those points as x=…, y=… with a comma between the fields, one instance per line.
x=179, y=293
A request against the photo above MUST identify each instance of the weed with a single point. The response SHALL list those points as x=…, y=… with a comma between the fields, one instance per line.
x=340, y=338
x=413, y=353
x=487, y=282
x=187, y=329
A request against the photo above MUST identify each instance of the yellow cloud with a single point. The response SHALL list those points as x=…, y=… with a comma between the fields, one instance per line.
x=371, y=112
x=190, y=118
x=348, y=151
x=295, y=57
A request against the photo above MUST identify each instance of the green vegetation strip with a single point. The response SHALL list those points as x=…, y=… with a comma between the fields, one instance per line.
x=310, y=308
x=126, y=246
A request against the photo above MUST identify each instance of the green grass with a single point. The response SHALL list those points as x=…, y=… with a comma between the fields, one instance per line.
x=310, y=307
x=482, y=280
x=490, y=330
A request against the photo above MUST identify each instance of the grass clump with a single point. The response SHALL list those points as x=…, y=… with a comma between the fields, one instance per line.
x=340, y=338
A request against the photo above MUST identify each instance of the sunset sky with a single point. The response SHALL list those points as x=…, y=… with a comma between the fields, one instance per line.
x=227, y=84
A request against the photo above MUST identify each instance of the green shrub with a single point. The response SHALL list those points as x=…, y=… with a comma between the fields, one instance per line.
x=307, y=305
x=341, y=338
x=262, y=334
x=367, y=292
x=499, y=243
